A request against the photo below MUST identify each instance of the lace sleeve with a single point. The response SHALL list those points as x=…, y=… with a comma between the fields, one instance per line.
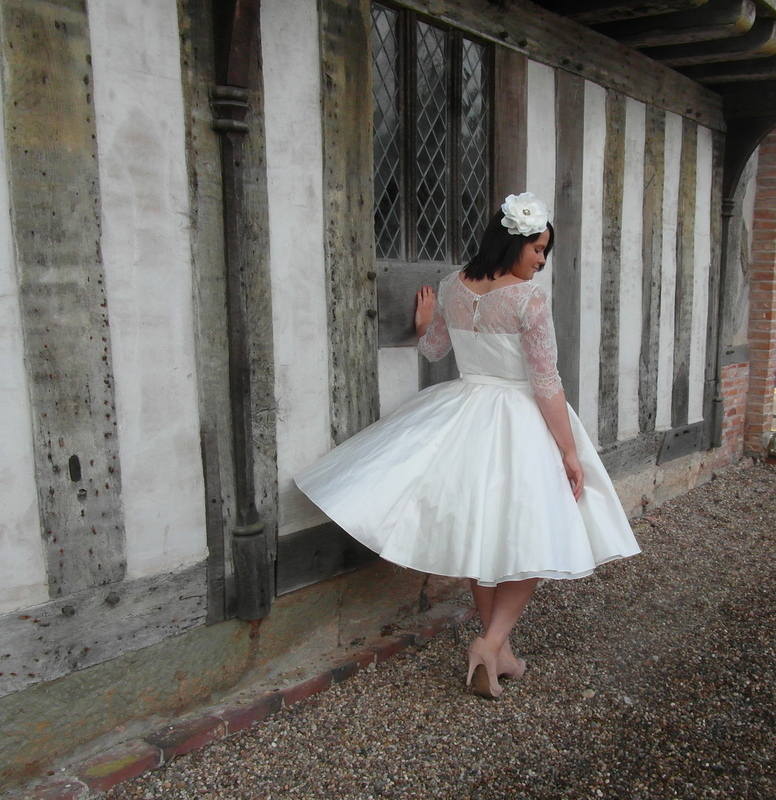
x=435, y=342
x=539, y=346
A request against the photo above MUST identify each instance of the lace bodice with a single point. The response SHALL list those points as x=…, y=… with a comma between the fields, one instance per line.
x=506, y=332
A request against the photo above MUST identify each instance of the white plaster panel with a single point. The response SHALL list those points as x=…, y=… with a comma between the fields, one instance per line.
x=397, y=370
x=741, y=335
x=672, y=169
x=292, y=102
x=701, y=268
x=631, y=269
x=146, y=253
x=591, y=254
x=540, y=161
x=23, y=580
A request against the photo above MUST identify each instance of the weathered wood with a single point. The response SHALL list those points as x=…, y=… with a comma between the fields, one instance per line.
x=755, y=69
x=717, y=20
x=317, y=553
x=561, y=42
x=348, y=209
x=685, y=266
x=652, y=259
x=714, y=316
x=614, y=171
x=97, y=624
x=566, y=273
x=590, y=12
x=632, y=455
x=397, y=284
x=509, y=124
x=203, y=161
x=52, y=164
x=681, y=441
x=759, y=41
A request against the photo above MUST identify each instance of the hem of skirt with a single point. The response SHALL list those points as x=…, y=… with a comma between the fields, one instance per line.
x=548, y=574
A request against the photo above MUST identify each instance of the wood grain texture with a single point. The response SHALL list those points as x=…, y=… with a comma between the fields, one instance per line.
x=209, y=279
x=561, y=42
x=614, y=170
x=55, y=200
x=714, y=316
x=685, y=264
x=652, y=259
x=566, y=273
x=348, y=208
x=509, y=124
x=95, y=625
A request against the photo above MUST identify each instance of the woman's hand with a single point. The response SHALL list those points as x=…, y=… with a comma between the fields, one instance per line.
x=425, y=302
x=574, y=473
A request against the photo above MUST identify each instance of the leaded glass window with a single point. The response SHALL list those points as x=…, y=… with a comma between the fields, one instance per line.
x=432, y=110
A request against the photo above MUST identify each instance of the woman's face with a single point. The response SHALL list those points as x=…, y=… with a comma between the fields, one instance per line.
x=531, y=257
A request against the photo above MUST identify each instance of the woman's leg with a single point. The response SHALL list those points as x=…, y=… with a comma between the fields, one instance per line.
x=508, y=664
x=511, y=597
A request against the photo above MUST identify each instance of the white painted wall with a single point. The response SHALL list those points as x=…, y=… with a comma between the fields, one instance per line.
x=672, y=163
x=741, y=334
x=631, y=271
x=397, y=370
x=591, y=255
x=701, y=268
x=23, y=580
x=292, y=98
x=146, y=251
x=540, y=160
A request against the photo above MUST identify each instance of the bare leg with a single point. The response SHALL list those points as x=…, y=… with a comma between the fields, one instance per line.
x=484, y=596
x=510, y=599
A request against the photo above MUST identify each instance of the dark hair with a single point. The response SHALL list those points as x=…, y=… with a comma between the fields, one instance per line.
x=500, y=249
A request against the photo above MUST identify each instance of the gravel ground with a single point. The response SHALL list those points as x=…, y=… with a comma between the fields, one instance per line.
x=651, y=679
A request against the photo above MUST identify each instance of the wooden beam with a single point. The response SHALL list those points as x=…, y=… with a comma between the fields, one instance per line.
x=560, y=42
x=755, y=69
x=591, y=12
x=346, y=97
x=509, y=129
x=715, y=21
x=759, y=42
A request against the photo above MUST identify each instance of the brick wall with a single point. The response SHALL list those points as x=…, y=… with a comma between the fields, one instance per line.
x=735, y=388
x=762, y=309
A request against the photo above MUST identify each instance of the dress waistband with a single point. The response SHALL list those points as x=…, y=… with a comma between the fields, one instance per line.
x=517, y=383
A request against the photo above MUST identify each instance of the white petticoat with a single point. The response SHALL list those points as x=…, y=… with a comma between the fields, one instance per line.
x=466, y=480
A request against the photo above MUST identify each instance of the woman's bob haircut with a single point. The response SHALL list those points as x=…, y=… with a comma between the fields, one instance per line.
x=500, y=249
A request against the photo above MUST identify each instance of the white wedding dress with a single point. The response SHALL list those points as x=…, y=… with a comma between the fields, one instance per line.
x=466, y=479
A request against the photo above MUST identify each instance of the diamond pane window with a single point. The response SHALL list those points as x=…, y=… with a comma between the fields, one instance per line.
x=431, y=137
x=387, y=133
x=475, y=155
x=432, y=109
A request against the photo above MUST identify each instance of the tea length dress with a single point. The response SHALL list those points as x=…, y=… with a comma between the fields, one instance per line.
x=466, y=479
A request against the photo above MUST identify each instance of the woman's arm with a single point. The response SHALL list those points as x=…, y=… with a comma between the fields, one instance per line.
x=430, y=325
x=541, y=355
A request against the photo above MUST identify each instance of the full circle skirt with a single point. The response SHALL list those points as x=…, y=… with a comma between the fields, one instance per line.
x=466, y=480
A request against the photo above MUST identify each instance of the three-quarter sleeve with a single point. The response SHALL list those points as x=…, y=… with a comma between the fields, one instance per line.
x=435, y=342
x=540, y=348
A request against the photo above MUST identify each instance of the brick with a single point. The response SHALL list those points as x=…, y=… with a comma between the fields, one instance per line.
x=118, y=764
x=187, y=735
x=301, y=691
x=241, y=716
x=393, y=645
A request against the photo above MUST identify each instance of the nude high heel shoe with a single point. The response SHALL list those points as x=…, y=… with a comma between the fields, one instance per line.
x=482, y=677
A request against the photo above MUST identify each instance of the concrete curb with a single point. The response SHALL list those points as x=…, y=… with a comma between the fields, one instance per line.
x=101, y=772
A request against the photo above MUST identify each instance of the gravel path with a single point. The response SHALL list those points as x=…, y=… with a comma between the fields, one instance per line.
x=652, y=679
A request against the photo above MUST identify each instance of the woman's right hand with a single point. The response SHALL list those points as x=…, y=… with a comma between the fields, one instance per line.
x=425, y=301
x=574, y=473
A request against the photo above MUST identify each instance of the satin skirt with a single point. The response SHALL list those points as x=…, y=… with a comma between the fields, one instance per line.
x=466, y=480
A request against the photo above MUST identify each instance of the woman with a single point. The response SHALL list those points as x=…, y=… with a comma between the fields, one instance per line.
x=489, y=477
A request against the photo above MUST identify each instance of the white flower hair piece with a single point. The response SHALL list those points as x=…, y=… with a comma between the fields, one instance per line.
x=524, y=214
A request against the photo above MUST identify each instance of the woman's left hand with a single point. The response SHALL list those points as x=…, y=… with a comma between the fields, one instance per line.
x=425, y=302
